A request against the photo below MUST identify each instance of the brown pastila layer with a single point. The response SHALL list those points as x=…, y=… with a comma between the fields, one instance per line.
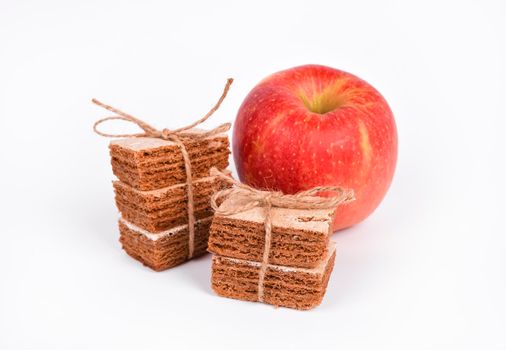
x=160, y=224
x=246, y=240
x=299, y=237
x=146, y=179
x=156, y=170
x=148, y=163
x=149, y=149
x=162, y=209
x=165, y=249
x=292, y=287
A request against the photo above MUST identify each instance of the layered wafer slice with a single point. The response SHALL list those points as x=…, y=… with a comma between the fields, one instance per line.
x=162, y=209
x=151, y=163
x=166, y=249
x=299, y=237
x=293, y=287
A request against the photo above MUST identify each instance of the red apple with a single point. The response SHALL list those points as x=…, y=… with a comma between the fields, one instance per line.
x=314, y=125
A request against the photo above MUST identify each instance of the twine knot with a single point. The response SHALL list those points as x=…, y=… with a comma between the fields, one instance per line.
x=267, y=199
x=176, y=135
x=166, y=133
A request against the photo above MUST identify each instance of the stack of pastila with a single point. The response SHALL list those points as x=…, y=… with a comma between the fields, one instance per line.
x=290, y=267
x=164, y=188
x=151, y=195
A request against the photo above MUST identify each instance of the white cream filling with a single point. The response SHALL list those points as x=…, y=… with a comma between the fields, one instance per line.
x=318, y=270
x=148, y=143
x=155, y=236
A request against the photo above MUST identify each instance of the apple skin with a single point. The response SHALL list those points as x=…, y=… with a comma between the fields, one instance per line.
x=314, y=125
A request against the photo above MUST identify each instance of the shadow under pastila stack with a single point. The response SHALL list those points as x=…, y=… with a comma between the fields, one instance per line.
x=164, y=188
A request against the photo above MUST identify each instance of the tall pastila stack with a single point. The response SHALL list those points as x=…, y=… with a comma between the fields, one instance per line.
x=164, y=188
x=273, y=248
x=152, y=196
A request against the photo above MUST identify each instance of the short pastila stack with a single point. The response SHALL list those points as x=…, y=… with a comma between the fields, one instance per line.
x=273, y=248
x=164, y=188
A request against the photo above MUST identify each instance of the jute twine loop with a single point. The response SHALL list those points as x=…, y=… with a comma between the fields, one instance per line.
x=177, y=136
x=269, y=199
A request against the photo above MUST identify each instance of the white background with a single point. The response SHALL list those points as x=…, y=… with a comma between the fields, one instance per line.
x=426, y=271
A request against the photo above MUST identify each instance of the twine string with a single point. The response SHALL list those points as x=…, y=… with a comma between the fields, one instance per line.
x=177, y=136
x=267, y=249
x=269, y=199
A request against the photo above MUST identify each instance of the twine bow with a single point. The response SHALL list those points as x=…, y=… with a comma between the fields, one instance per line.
x=177, y=136
x=269, y=199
